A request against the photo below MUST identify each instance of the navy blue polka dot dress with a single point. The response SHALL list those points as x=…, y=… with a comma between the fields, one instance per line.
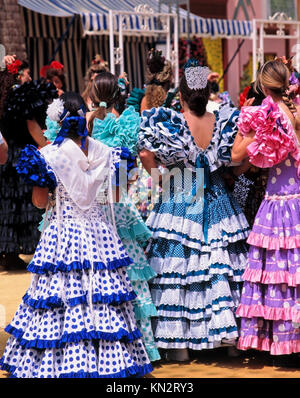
x=76, y=320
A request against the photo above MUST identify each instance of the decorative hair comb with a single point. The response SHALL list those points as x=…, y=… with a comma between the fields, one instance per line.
x=196, y=75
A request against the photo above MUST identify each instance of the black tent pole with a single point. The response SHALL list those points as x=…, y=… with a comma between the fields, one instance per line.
x=232, y=59
x=63, y=37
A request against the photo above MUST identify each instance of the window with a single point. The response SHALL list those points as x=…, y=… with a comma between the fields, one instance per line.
x=289, y=7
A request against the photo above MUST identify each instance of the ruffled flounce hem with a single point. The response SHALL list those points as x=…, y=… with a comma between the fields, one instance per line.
x=200, y=244
x=201, y=343
x=144, y=311
x=136, y=231
x=153, y=353
x=56, y=302
x=262, y=311
x=122, y=335
x=133, y=371
x=254, y=342
x=60, y=266
x=271, y=243
x=227, y=231
x=140, y=273
x=276, y=277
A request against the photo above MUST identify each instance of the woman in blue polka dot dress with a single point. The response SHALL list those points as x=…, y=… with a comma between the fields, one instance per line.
x=76, y=320
x=197, y=247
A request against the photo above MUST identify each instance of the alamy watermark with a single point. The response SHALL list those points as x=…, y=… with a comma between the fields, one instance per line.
x=177, y=185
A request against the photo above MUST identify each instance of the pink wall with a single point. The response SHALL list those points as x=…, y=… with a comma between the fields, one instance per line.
x=271, y=46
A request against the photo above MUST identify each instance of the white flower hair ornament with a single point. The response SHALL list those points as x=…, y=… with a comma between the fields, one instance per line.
x=196, y=75
x=55, y=110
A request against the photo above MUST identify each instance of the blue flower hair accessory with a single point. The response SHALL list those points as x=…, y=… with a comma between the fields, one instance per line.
x=66, y=120
x=196, y=75
x=66, y=126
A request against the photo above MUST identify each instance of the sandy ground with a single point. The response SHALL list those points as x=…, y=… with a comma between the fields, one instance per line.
x=207, y=364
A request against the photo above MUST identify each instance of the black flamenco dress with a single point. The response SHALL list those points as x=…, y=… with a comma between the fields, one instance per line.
x=19, y=218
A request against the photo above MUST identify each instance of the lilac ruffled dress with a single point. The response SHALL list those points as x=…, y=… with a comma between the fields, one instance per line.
x=270, y=304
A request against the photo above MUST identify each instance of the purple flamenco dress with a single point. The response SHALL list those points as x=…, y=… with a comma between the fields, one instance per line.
x=270, y=304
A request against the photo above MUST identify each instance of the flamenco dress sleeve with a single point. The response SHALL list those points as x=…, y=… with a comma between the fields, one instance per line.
x=135, y=98
x=274, y=136
x=164, y=132
x=119, y=132
x=220, y=148
x=34, y=170
x=30, y=101
x=52, y=129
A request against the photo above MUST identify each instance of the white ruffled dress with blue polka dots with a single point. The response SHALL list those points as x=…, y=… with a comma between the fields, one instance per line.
x=77, y=320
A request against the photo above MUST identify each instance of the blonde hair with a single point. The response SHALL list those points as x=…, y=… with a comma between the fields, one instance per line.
x=275, y=76
x=158, y=85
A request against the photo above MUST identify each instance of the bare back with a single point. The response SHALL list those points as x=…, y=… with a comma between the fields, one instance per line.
x=201, y=128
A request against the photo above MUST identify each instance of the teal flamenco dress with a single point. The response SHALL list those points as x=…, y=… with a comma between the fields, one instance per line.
x=134, y=234
x=198, y=247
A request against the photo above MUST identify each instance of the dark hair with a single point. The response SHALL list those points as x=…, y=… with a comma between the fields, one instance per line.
x=72, y=103
x=104, y=89
x=7, y=81
x=58, y=73
x=257, y=94
x=196, y=100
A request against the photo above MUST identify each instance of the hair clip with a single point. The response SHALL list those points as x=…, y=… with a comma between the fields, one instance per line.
x=103, y=104
x=196, y=75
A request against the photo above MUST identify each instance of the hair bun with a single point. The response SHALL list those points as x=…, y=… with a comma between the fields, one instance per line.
x=155, y=61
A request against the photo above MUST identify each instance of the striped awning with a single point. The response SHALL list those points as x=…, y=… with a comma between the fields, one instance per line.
x=94, y=17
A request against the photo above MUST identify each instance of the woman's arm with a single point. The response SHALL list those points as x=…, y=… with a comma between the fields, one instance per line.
x=239, y=149
x=36, y=133
x=3, y=150
x=40, y=197
x=149, y=162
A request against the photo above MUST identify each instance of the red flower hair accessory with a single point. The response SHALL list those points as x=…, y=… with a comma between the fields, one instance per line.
x=54, y=65
x=14, y=67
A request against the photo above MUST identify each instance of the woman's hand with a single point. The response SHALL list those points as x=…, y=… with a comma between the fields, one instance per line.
x=9, y=59
x=249, y=102
x=239, y=149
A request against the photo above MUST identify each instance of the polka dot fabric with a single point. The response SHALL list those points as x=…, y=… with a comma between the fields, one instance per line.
x=77, y=317
x=133, y=233
x=271, y=294
x=197, y=249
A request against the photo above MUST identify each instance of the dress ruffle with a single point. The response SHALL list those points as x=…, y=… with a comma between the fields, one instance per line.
x=118, y=132
x=30, y=100
x=274, y=135
x=135, y=98
x=52, y=129
x=285, y=233
x=34, y=170
x=165, y=133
